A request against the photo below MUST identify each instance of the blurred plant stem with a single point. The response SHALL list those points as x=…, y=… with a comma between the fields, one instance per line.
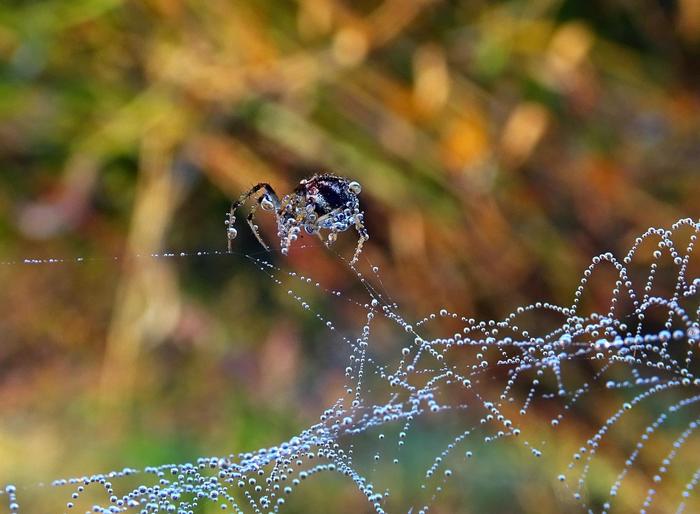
x=147, y=304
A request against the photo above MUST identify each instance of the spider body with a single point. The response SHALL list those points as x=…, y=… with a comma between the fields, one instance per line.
x=323, y=202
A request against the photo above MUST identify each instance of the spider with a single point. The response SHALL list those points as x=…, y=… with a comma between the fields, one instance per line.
x=322, y=202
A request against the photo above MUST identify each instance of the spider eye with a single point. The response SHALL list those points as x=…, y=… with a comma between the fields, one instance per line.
x=267, y=204
x=355, y=187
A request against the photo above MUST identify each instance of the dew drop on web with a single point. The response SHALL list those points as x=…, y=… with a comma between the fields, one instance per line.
x=634, y=364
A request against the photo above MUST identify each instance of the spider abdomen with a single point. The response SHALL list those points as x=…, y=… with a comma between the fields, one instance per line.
x=326, y=193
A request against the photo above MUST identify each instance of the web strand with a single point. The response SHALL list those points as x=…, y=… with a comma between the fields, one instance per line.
x=494, y=379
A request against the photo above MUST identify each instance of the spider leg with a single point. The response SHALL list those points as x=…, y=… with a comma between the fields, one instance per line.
x=333, y=235
x=257, y=187
x=269, y=194
x=290, y=233
x=231, y=232
x=254, y=229
x=364, y=236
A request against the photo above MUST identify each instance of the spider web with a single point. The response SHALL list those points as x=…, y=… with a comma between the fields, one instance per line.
x=630, y=371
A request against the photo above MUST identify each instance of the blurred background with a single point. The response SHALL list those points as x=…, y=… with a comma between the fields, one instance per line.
x=500, y=146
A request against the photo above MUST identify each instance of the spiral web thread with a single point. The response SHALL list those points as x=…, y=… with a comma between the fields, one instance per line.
x=490, y=376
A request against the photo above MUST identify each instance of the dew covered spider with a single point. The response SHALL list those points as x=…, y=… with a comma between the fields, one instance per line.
x=322, y=202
